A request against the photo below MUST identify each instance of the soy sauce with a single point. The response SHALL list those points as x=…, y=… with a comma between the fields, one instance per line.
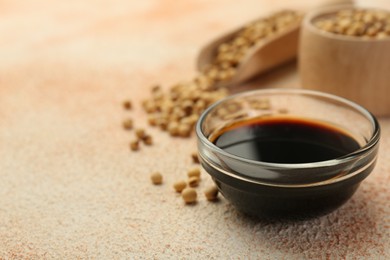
x=285, y=140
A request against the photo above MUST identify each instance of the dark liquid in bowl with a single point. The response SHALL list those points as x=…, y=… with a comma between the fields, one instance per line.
x=285, y=140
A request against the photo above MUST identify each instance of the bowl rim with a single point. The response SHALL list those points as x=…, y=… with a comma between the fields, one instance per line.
x=288, y=166
x=310, y=16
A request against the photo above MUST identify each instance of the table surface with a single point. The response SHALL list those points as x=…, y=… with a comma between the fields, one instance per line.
x=70, y=187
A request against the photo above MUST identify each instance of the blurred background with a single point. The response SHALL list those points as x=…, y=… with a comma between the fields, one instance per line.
x=69, y=186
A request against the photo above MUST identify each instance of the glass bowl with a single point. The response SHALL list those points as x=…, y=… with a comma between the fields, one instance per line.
x=288, y=190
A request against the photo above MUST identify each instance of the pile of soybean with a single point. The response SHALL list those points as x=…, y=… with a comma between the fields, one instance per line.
x=177, y=110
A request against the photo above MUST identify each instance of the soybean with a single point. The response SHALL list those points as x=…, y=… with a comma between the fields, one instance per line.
x=193, y=181
x=194, y=172
x=189, y=195
x=211, y=193
x=147, y=139
x=128, y=124
x=134, y=145
x=140, y=133
x=156, y=178
x=179, y=186
x=127, y=105
x=195, y=157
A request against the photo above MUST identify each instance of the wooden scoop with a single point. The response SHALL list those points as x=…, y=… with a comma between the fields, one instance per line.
x=271, y=52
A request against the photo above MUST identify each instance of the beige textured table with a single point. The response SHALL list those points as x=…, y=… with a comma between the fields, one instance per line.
x=69, y=186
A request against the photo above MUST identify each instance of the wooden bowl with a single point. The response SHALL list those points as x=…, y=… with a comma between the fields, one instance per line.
x=355, y=68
